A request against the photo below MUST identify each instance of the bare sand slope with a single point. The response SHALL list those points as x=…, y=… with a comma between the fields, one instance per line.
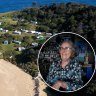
x=14, y=82
x=42, y=88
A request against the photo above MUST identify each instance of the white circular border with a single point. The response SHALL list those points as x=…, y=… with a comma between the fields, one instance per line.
x=46, y=42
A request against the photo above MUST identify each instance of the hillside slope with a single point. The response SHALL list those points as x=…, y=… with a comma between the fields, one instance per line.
x=14, y=82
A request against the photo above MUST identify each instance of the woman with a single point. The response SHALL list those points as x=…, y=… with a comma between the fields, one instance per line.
x=65, y=73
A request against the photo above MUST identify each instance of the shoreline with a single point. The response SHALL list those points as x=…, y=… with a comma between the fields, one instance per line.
x=38, y=4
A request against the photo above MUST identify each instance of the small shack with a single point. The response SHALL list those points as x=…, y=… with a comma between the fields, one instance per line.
x=21, y=48
x=5, y=42
x=17, y=42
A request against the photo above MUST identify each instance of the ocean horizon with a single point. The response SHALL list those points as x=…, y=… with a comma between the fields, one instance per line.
x=14, y=5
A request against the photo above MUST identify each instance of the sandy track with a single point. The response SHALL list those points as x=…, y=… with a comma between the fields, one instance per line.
x=14, y=82
x=42, y=87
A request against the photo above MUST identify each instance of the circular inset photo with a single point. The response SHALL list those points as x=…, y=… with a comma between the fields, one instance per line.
x=66, y=62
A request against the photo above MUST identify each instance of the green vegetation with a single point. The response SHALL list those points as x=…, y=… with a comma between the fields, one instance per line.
x=68, y=17
x=25, y=59
x=8, y=47
x=55, y=18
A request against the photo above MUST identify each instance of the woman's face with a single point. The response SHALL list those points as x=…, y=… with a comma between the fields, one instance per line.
x=65, y=51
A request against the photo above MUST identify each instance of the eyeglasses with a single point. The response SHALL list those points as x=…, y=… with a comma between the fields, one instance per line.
x=65, y=48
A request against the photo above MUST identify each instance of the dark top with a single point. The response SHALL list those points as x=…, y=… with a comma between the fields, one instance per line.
x=71, y=74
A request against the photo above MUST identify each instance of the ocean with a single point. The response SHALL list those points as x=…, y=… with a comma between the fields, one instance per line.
x=14, y=5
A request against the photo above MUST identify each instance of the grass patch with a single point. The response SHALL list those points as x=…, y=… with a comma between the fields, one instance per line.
x=8, y=47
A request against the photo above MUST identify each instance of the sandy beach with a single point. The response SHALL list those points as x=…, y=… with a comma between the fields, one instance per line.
x=15, y=82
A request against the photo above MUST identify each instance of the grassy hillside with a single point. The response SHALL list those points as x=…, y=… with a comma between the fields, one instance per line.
x=55, y=18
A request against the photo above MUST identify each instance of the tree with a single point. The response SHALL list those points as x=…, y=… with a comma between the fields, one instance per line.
x=80, y=28
x=27, y=41
x=43, y=28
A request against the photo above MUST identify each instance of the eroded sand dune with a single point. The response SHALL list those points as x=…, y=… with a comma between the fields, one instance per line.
x=15, y=82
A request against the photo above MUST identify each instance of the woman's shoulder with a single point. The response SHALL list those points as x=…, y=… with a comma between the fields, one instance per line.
x=75, y=61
